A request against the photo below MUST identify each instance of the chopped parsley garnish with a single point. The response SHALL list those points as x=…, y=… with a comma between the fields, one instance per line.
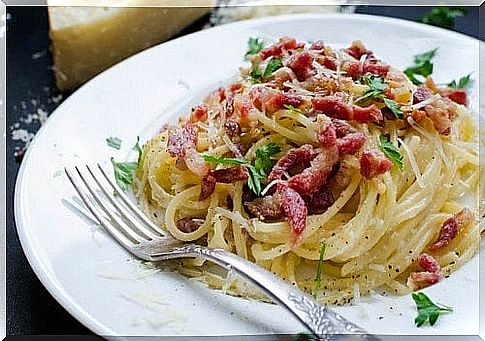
x=377, y=86
x=255, y=179
x=427, y=310
x=422, y=66
x=124, y=171
x=293, y=109
x=318, y=277
x=255, y=75
x=224, y=160
x=263, y=162
x=257, y=172
x=393, y=107
x=463, y=83
x=391, y=152
x=254, y=46
x=273, y=65
x=443, y=16
x=113, y=142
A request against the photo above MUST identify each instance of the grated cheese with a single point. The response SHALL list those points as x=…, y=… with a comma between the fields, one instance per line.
x=425, y=102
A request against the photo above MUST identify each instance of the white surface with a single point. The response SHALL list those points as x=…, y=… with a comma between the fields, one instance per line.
x=107, y=290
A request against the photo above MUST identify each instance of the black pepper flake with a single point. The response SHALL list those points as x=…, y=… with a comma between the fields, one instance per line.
x=381, y=317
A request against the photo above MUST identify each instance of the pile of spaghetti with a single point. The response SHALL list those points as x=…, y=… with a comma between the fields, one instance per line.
x=317, y=153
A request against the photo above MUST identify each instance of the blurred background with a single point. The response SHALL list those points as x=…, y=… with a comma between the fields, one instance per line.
x=51, y=51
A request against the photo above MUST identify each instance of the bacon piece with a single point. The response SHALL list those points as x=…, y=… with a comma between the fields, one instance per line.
x=357, y=50
x=199, y=113
x=195, y=162
x=232, y=127
x=181, y=139
x=315, y=176
x=285, y=43
x=230, y=175
x=456, y=95
x=451, y=227
x=440, y=117
x=235, y=88
x=422, y=93
x=356, y=69
x=334, y=107
x=353, y=69
x=188, y=225
x=420, y=280
x=418, y=115
x=350, y=143
x=268, y=207
x=299, y=156
x=428, y=263
x=242, y=107
x=377, y=69
x=317, y=45
x=207, y=187
x=373, y=163
x=295, y=210
x=272, y=99
x=301, y=64
x=225, y=175
x=330, y=63
x=320, y=199
x=342, y=128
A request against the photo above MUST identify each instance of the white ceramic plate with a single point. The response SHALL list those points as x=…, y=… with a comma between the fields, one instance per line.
x=109, y=291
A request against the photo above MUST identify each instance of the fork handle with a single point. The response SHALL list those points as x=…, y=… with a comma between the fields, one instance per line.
x=320, y=320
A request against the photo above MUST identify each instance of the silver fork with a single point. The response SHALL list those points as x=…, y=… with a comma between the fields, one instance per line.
x=130, y=227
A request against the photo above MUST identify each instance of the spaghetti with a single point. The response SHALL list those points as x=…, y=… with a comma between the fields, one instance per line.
x=313, y=146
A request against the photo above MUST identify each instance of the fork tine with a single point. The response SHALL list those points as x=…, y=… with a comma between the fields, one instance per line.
x=120, y=223
x=118, y=236
x=141, y=227
x=130, y=204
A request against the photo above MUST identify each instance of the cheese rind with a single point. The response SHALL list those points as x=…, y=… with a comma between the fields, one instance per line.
x=87, y=40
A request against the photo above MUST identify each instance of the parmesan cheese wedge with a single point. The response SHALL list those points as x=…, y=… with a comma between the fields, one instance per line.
x=87, y=40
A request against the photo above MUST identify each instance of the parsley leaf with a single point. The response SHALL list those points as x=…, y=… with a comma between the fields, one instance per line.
x=391, y=152
x=224, y=160
x=255, y=179
x=427, y=310
x=255, y=75
x=377, y=86
x=375, y=83
x=254, y=46
x=263, y=162
x=114, y=142
x=273, y=65
x=443, y=16
x=293, y=109
x=393, y=107
x=463, y=83
x=318, y=277
x=124, y=171
x=257, y=172
x=422, y=66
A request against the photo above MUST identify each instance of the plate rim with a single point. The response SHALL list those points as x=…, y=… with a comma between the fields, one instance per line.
x=35, y=262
